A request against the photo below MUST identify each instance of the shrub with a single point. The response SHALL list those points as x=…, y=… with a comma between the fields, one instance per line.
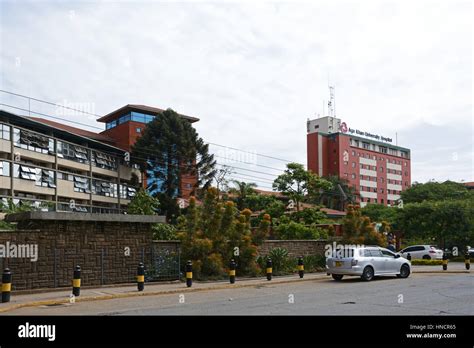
x=295, y=230
x=426, y=262
x=164, y=232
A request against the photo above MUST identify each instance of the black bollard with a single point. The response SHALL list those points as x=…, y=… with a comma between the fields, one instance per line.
x=76, y=281
x=269, y=269
x=232, y=267
x=189, y=274
x=301, y=267
x=6, y=285
x=141, y=277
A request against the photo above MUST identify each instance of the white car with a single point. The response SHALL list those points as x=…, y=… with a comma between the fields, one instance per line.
x=426, y=252
x=367, y=262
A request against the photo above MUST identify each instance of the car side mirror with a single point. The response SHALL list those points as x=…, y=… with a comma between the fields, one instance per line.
x=397, y=256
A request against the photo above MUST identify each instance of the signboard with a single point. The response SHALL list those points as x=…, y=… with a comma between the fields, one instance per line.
x=345, y=129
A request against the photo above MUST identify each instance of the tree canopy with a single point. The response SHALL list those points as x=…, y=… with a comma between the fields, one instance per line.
x=435, y=191
x=168, y=150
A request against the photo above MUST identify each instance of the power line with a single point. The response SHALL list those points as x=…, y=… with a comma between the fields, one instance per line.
x=98, y=116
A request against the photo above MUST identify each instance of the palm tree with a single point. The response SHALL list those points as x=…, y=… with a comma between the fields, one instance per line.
x=242, y=190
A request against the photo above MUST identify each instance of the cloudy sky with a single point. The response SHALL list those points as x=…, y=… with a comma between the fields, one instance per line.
x=254, y=71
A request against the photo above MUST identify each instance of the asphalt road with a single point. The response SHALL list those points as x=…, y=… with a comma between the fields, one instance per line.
x=420, y=294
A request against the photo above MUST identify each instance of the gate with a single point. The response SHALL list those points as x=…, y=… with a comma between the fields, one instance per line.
x=165, y=262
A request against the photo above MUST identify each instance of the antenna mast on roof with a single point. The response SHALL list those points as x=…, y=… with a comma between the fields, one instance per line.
x=332, y=101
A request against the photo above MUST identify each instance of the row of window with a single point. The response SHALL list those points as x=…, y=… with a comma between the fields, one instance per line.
x=98, y=187
x=379, y=148
x=42, y=144
x=374, y=168
x=373, y=178
x=380, y=190
x=46, y=178
x=373, y=157
x=131, y=116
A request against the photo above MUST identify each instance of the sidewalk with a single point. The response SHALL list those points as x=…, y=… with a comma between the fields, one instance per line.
x=54, y=296
x=453, y=267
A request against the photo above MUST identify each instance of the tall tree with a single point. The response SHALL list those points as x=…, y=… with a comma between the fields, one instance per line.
x=143, y=204
x=296, y=183
x=169, y=149
x=241, y=191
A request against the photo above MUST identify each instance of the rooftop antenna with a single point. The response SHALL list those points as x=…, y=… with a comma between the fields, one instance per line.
x=332, y=102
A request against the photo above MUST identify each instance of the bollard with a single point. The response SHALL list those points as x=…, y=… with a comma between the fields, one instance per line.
x=141, y=277
x=76, y=281
x=301, y=267
x=189, y=274
x=269, y=269
x=467, y=260
x=445, y=261
x=232, y=266
x=409, y=257
x=6, y=285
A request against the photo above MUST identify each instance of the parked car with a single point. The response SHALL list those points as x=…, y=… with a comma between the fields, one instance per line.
x=367, y=262
x=425, y=252
x=471, y=252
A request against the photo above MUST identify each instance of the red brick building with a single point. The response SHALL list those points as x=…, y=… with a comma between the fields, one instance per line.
x=125, y=126
x=377, y=169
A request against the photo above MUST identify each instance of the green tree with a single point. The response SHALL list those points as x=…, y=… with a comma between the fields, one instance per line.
x=241, y=191
x=143, y=204
x=449, y=223
x=9, y=207
x=168, y=150
x=296, y=183
x=435, y=191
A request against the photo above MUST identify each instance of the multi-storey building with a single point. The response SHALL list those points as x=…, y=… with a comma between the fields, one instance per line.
x=58, y=167
x=377, y=169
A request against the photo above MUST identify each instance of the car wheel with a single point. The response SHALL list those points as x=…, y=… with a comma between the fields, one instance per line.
x=426, y=257
x=337, y=277
x=404, y=271
x=368, y=273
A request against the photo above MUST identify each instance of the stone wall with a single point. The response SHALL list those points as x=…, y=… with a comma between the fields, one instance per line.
x=108, y=252
x=295, y=247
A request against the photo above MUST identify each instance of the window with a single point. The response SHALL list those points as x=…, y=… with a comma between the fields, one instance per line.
x=124, y=118
x=102, y=160
x=381, y=169
x=353, y=164
x=353, y=153
x=32, y=141
x=72, y=152
x=382, y=149
x=81, y=184
x=4, y=131
x=4, y=168
x=46, y=178
x=104, y=188
x=381, y=190
x=111, y=124
x=387, y=253
x=353, y=176
x=138, y=130
x=381, y=201
x=366, y=145
x=27, y=173
x=393, y=152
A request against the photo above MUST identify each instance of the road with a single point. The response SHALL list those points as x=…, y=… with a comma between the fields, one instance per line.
x=420, y=294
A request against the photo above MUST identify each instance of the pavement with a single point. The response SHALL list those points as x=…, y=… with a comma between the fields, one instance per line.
x=158, y=296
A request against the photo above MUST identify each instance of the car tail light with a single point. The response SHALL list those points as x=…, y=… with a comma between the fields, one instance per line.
x=354, y=262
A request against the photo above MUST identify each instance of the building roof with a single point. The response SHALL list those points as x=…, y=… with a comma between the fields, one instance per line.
x=469, y=185
x=140, y=108
x=367, y=140
x=75, y=130
x=58, y=130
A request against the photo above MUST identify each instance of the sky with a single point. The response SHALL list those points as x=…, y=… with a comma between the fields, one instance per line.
x=255, y=71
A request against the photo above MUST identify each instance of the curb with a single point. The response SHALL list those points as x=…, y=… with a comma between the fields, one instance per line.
x=152, y=293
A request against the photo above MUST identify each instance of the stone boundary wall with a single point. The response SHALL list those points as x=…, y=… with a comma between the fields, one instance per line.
x=295, y=247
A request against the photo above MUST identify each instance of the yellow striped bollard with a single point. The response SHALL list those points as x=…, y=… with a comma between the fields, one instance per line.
x=6, y=285
x=445, y=261
x=300, y=267
x=76, y=281
x=232, y=267
x=189, y=274
x=269, y=269
x=141, y=276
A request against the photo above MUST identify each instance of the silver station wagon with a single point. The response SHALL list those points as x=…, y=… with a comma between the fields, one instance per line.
x=366, y=262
